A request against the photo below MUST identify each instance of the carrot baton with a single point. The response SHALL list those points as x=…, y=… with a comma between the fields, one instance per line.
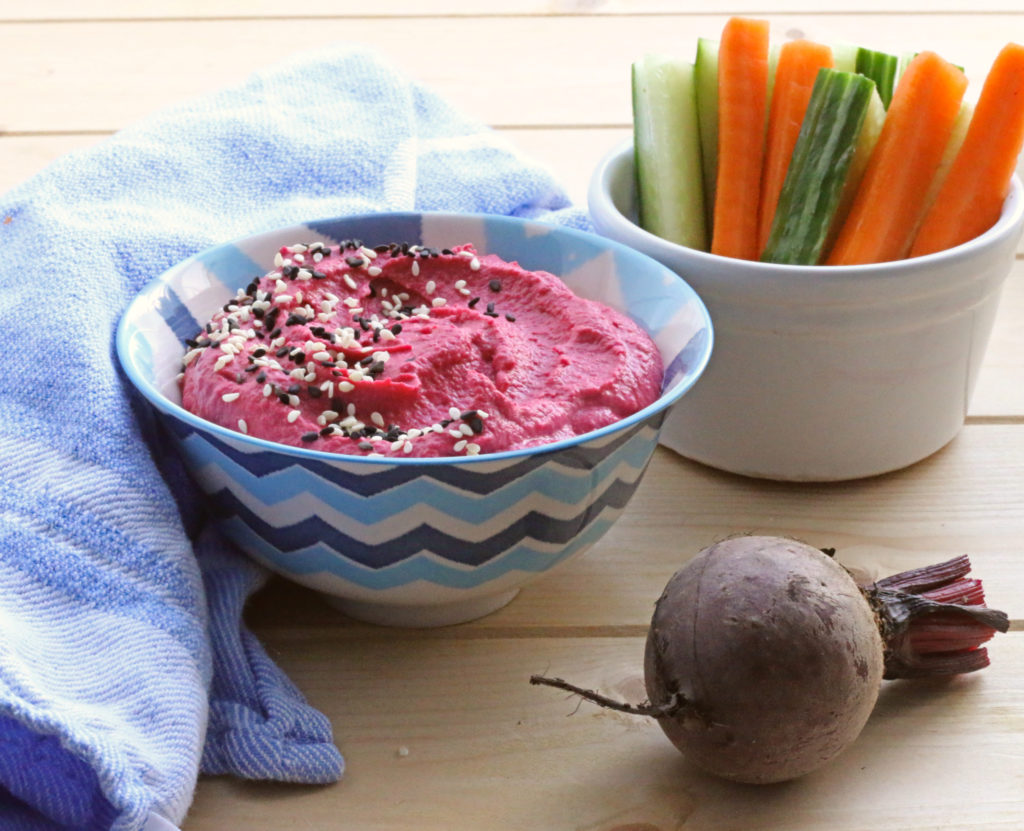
x=743, y=93
x=889, y=204
x=972, y=195
x=797, y=69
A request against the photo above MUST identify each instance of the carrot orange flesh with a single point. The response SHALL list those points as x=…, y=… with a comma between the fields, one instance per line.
x=797, y=68
x=889, y=204
x=742, y=99
x=971, y=197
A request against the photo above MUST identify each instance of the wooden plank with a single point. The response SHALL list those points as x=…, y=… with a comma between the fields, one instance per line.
x=62, y=71
x=105, y=10
x=449, y=735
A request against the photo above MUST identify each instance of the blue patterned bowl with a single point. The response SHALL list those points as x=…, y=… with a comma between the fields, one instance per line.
x=414, y=541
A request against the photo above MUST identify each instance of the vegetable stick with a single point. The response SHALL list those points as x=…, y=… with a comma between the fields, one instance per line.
x=971, y=198
x=890, y=201
x=742, y=99
x=799, y=62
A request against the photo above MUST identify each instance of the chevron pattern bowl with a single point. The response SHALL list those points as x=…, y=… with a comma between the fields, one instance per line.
x=413, y=541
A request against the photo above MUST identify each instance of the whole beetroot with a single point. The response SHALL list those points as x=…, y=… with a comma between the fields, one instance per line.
x=765, y=657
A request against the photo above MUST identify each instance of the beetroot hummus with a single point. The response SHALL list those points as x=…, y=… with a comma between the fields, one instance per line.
x=401, y=350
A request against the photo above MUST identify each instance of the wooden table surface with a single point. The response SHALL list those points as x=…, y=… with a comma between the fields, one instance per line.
x=440, y=729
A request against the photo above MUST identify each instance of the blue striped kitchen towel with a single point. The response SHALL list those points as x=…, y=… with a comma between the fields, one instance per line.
x=125, y=667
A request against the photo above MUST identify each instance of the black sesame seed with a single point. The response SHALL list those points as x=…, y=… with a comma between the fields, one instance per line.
x=494, y=285
x=261, y=378
x=284, y=350
x=447, y=252
x=295, y=389
x=396, y=329
x=319, y=275
x=259, y=352
x=276, y=333
x=240, y=378
x=510, y=318
x=283, y=398
x=252, y=368
x=314, y=391
x=192, y=344
x=326, y=431
x=308, y=437
x=365, y=445
x=473, y=302
x=295, y=320
x=355, y=262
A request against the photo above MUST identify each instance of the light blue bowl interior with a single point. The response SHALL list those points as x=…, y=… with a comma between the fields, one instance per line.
x=150, y=338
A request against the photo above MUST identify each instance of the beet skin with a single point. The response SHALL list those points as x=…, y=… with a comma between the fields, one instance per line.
x=776, y=651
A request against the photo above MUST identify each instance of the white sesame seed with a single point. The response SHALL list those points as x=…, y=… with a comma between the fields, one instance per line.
x=349, y=301
x=284, y=298
x=355, y=375
x=460, y=284
x=190, y=356
x=293, y=416
x=228, y=397
x=460, y=446
x=397, y=445
x=377, y=419
x=293, y=400
x=482, y=413
x=345, y=386
x=407, y=447
x=350, y=409
x=298, y=248
x=280, y=285
x=318, y=256
x=414, y=433
x=472, y=449
x=374, y=270
x=267, y=390
x=242, y=426
x=474, y=264
x=438, y=301
x=386, y=334
x=229, y=348
x=322, y=356
x=329, y=415
x=369, y=253
x=455, y=434
x=466, y=253
x=222, y=362
x=304, y=274
x=415, y=268
x=324, y=317
x=466, y=429
x=349, y=281
x=454, y=412
x=429, y=287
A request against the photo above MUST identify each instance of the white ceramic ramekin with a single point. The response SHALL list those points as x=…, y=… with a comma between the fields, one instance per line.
x=826, y=373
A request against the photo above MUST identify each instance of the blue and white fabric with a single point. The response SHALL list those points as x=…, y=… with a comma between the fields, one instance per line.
x=125, y=665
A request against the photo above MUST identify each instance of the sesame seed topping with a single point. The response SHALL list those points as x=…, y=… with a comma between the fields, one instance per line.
x=228, y=397
x=293, y=416
x=242, y=426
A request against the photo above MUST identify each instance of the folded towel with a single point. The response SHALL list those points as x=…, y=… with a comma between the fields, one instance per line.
x=125, y=666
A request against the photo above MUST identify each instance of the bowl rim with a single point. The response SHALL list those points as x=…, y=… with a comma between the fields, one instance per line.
x=603, y=210
x=168, y=407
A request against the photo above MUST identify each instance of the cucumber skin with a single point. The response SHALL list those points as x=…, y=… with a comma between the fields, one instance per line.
x=881, y=68
x=818, y=170
x=705, y=70
x=667, y=151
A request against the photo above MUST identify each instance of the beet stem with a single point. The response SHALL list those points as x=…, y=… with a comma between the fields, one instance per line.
x=925, y=634
x=675, y=704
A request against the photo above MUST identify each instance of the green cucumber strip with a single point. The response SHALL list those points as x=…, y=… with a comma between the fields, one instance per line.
x=666, y=142
x=818, y=169
x=706, y=75
x=866, y=141
x=880, y=67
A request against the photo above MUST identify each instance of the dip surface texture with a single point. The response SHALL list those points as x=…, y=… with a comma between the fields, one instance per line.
x=407, y=351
